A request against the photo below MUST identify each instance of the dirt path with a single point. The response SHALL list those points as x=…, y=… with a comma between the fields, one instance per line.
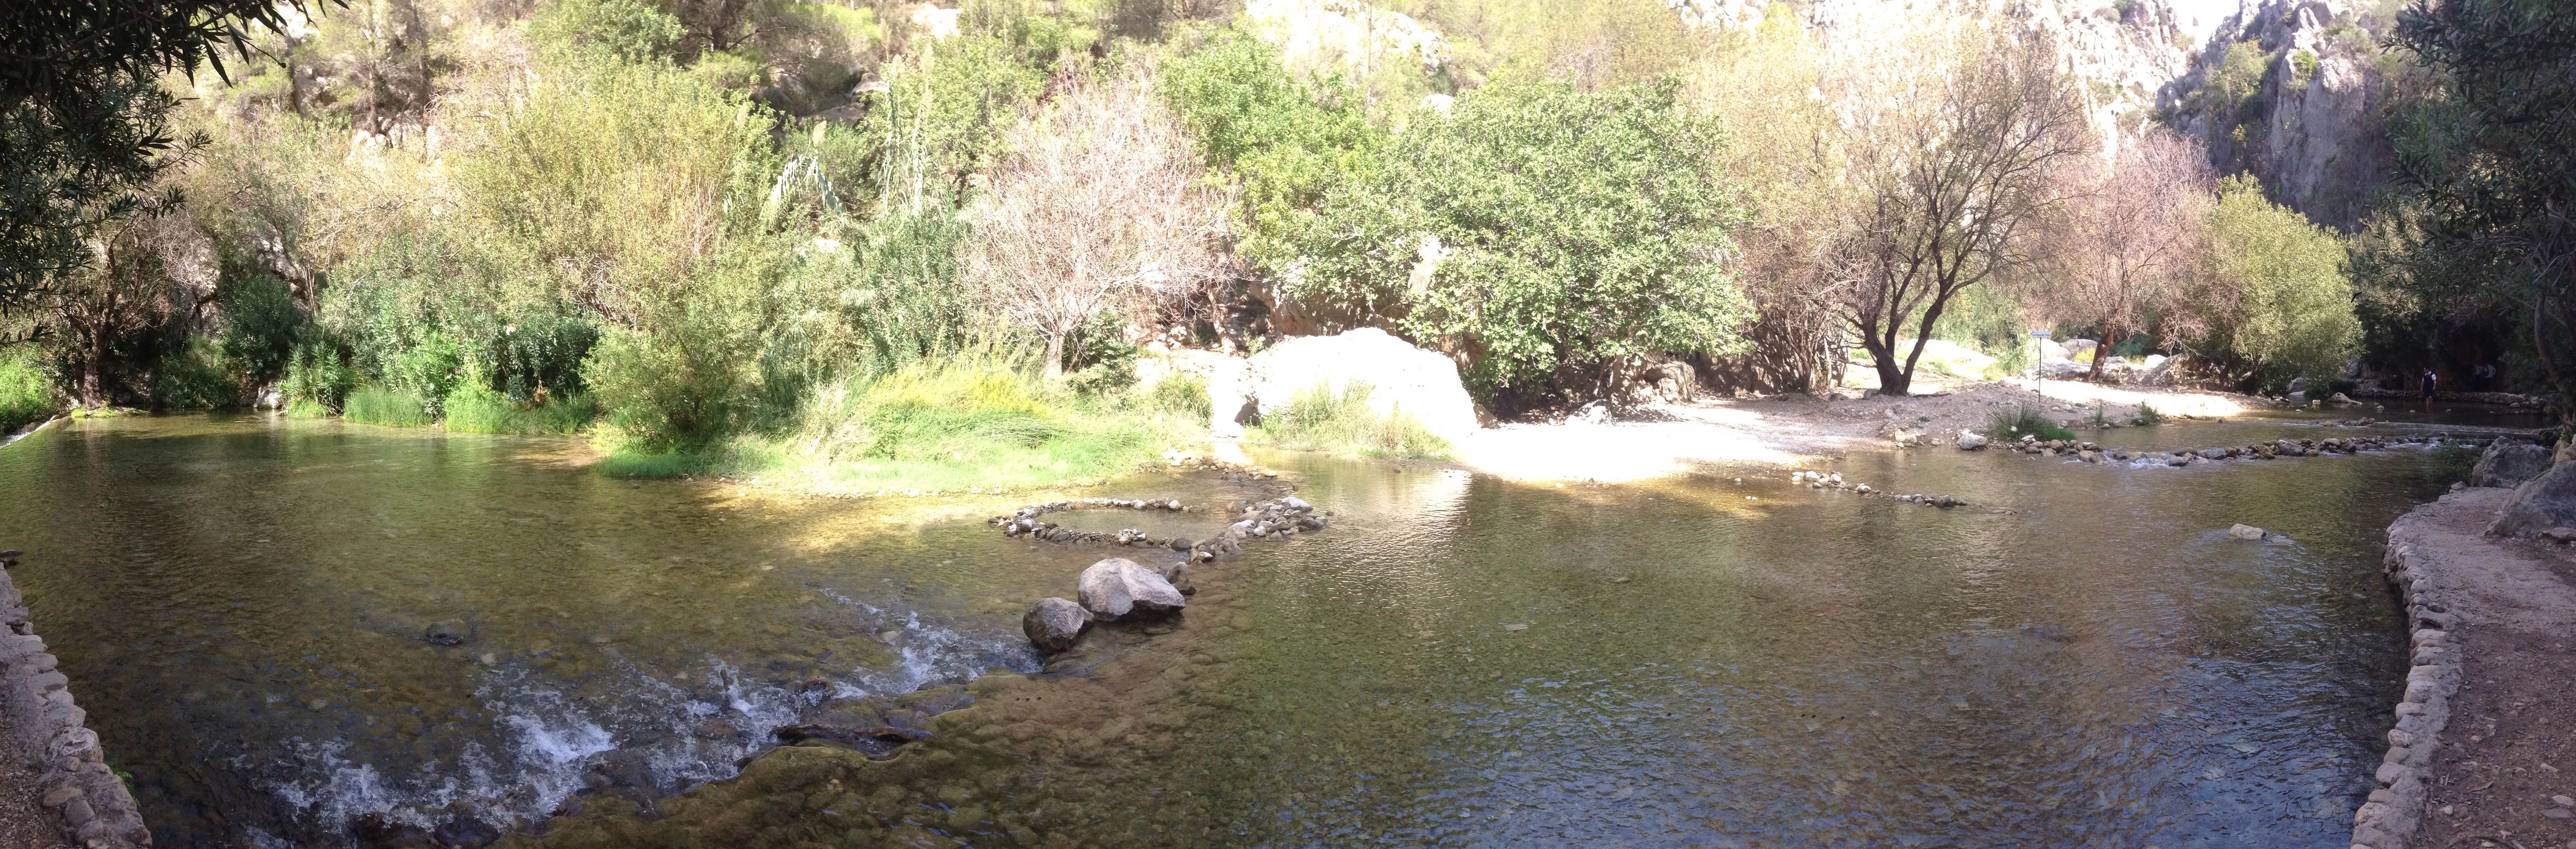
x=1666, y=439
x=2504, y=773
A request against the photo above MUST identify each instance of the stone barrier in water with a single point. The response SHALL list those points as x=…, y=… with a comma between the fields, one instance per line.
x=2396, y=809
x=74, y=781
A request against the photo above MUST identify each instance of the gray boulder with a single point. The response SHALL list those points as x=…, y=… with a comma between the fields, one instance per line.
x=1053, y=624
x=2243, y=531
x=2543, y=502
x=2509, y=464
x=1117, y=588
x=1970, y=440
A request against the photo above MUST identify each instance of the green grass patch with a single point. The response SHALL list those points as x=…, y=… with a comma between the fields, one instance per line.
x=306, y=408
x=377, y=405
x=1320, y=419
x=943, y=425
x=2147, y=414
x=2020, y=421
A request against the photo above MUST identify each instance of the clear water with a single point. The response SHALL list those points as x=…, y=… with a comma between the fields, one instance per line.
x=2081, y=657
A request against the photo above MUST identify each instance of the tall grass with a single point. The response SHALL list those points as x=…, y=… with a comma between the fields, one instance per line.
x=377, y=405
x=2147, y=414
x=26, y=393
x=474, y=407
x=1320, y=419
x=2019, y=421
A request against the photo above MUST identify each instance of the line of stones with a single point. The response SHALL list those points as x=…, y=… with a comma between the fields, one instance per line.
x=76, y=782
x=1823, y=480
x=2394, y=811
x=1272, y=519
x=2091, y=453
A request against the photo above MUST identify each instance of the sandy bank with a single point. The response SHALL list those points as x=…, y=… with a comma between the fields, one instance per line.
x=1668, y=439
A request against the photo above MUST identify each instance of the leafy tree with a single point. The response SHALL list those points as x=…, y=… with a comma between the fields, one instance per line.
x=1953, y=134
x=943, y=113
x=1569, y=229
x=2493, y=166
x=84, y=126
x=2277, y=303
x=2118, y=252
x=1287, y=141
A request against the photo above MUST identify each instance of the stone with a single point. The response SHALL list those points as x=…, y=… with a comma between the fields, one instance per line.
x=2559, y=814
x=60, y=795
x=453, y=632
x=2543, y=502
x=2341, y=399
x=2213, y=453
x=1054, y=624
x=1970, y=440
x=1116, y=588
x=2245, y=532
x=2508, y=464
x=1420, y=383
x=78, y=812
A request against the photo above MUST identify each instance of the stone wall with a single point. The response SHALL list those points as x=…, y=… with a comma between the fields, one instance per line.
x=75, y=782
x=2395, y=810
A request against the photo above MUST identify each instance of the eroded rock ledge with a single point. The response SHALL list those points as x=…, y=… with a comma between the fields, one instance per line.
x=74, y=780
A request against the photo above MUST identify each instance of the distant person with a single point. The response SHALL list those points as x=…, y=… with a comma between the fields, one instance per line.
x=2428, y=389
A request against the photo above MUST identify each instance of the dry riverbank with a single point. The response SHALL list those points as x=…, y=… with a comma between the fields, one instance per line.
x=1667, y=439
x=2502, y=770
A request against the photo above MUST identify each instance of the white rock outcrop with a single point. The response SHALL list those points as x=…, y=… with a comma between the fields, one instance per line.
x=1117, y=587
x=1421, y=383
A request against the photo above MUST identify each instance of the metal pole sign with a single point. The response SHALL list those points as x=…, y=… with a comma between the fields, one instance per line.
x=2039, y=370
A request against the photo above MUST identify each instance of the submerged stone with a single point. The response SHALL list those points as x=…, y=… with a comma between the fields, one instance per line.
x=1116, y=588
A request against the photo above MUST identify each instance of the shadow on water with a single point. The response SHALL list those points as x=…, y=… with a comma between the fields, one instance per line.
x=2081, y=657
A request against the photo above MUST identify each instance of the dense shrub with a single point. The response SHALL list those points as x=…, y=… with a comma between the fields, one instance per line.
x=261, y=323
x=197, y=377
x=1286, y=141
x=1577, y=226
x=26, y=389
x=2279, y=304
x=318, y=379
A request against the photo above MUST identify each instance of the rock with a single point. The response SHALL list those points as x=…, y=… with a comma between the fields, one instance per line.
x=1422, y=383
x=2543, y=502
x=2508, y=464
x=2245, y=532
x=2559, y=534
x=1054, y=624
x=1116, y=588
x=2340, y=399
x=453, y=632
x=2213, y=453
x=2298, y=385
x=60, y=795
x=1971, y=440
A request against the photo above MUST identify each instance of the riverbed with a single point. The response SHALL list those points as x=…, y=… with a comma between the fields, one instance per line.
x=2080, y=656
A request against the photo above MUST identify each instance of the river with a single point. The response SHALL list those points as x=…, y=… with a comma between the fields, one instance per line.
x=2081, y=656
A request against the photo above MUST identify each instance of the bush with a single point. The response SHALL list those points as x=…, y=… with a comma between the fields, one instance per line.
x=1184, y=394
x=2023, y=421
x=1579, y=227
x=1319, y=419
x=261, y=324
x=1287, y=141
x=2280, y=302
x=2147, y=414
x=622, y=30
x=377, y=405
x=26, y=390
x=197, y=377
x=317, y=380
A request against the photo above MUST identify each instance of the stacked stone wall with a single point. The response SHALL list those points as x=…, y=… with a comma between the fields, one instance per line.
x=51, y=734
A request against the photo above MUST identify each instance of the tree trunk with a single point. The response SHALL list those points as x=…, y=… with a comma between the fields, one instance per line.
x=2101, y=351
x=93, y=383
x=1055, y=355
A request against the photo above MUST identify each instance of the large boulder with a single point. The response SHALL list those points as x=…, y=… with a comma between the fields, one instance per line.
x=1423, y=384
x=2543, y=502
x=1054, y=624
x=2509, y=464
x=1969, y=440
x=1117, y=588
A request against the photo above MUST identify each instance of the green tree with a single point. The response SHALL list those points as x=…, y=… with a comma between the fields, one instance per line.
x=622, y=30
x=1570, y=228
x=1287, y=141
x=2493, y=167
x=84, y=126
x=2277, y=304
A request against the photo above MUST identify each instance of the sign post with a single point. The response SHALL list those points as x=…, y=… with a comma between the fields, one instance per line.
x=2039, y=369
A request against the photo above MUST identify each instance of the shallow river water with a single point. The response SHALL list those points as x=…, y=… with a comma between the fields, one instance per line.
x=2080, y=657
